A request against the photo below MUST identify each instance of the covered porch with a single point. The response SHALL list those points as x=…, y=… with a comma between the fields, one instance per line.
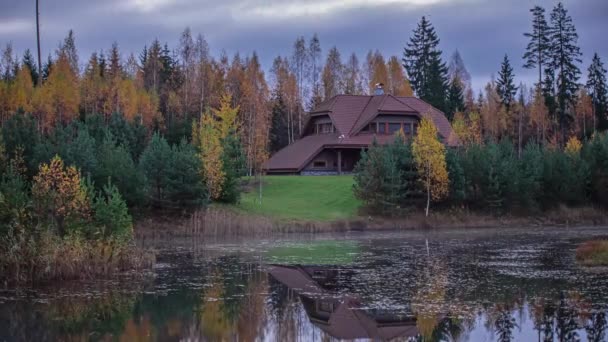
x=333, y=161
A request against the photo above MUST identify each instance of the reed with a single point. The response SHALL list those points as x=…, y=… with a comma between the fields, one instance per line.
x=28, y=260
x=224, y=221
x=593, y=253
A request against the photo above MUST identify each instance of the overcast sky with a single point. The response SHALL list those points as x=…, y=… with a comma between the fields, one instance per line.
x=482, y=30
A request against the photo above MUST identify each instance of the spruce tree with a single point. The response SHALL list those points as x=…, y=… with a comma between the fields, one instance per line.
x=46, y=70
x=596, y=85
x=278, y=131
x=28, y=61
x=455, y=98
x=422, y=60
x=564, y=55
x=505, y=86
x=537, y=51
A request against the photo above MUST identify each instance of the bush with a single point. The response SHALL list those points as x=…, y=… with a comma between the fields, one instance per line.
x=385, y=177
x=59, y=197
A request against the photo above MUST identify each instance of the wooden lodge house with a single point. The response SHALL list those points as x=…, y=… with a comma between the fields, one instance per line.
x=339, y=128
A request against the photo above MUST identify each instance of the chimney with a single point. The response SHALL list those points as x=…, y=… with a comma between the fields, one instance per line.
x=379, y=89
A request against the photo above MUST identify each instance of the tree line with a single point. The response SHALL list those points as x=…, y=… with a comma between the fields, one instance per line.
x=490, y=176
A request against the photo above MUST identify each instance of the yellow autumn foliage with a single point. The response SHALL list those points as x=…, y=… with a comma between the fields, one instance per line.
x=208, y=136
x=57, y=192
x=429, y=154
x=573, y=146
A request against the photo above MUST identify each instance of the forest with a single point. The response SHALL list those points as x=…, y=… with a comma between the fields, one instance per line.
x=89, y=142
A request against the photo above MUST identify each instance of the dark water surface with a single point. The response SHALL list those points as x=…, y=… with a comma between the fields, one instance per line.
x=473, y=285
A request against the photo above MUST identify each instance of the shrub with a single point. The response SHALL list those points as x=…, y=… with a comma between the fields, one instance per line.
x=59, y=196
x=593, y=253
x=385, y=177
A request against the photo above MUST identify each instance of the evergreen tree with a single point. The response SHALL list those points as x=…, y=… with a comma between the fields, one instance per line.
x=114, y=164
x=279, y=137
x=185, y=185
x=46, y=69
x=81, y=153
x=598, y=90
x=155, y=163
x=455, y=98
x=537, y=51
x=422, y=60
x=564, y=54
x=28, y=61
x=505, y=86
x=111, y=214
x=234, y=166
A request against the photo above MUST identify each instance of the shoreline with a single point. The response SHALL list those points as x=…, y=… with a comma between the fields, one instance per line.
x=228, y=221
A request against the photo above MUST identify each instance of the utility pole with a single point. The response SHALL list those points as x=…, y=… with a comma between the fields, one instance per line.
x=38, y=40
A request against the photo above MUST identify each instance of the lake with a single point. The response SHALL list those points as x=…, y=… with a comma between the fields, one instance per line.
x=466, y=285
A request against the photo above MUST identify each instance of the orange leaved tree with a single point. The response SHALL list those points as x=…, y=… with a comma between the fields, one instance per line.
x=59, y=195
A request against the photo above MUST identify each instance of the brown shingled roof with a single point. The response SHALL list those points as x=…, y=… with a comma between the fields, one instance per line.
x=350, y=113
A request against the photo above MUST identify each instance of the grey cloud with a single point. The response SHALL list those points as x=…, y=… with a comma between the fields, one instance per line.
x=482, y=30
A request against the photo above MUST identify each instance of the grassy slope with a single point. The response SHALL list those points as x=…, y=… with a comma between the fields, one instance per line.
x=307, y=198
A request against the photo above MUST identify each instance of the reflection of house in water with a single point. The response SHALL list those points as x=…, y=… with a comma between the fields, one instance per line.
x=340, y=315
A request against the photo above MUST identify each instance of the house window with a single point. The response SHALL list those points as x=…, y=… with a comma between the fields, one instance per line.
x=415, y=128
x=407, y=128
x=326, y=306
x=319, y=164
x=394, y=127
x=325, y=128
x=382, y=127
x=373, y=127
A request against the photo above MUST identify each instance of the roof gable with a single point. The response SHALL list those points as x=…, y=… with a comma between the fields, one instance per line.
x=378, y=105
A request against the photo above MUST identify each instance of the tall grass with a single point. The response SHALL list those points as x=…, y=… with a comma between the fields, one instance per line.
x=25, y=259
x=226, y=221
x=593, y=253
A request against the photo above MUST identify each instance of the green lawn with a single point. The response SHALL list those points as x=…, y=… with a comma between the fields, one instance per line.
x=306, y=198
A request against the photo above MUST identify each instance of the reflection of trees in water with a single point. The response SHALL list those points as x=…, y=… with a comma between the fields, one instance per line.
x=69, y=318
x=563, y=319
x=596, y=327
x=504, y=325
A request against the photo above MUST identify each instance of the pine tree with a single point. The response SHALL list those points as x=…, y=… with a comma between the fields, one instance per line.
x=537, y=51
x=598, y=90
x=564, y=54
x=426, y=71
x=505, y=86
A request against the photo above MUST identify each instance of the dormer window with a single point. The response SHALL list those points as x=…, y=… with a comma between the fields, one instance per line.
x=325, y=128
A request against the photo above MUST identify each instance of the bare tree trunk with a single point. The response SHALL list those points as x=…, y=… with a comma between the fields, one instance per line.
x=428, y=189
x=519, y=128
x=38, y=43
